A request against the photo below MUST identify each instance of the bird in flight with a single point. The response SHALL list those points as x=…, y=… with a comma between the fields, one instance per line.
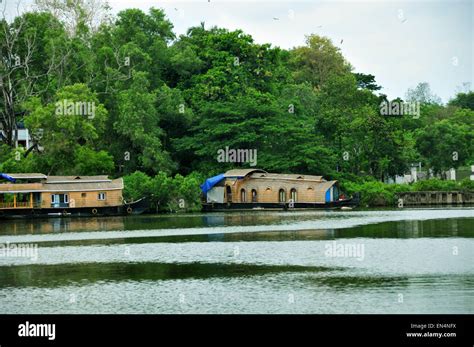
x=342, y=41
x=276, y=18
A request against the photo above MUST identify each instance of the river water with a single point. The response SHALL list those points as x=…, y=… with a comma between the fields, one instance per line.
x=374, y=261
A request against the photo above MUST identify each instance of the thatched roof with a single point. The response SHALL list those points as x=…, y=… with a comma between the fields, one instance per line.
x=77, y=179
x=25, y=176
x=84, y=186
x=258, y=173
x=287, y=177
x=325, y=185
x=241, y=172
x=60, y=186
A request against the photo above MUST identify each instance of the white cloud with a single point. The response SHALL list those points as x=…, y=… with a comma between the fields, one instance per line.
x=399, y=48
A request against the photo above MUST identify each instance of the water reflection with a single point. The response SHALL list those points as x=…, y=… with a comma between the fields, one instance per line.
x=243, y=263
x=390, y=230
x=59, y=225
x=86, y=273
x=312, y=225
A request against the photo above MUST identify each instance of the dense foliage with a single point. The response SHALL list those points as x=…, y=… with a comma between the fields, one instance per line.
x=165, y=193
x=164, y=105
x=375, y=193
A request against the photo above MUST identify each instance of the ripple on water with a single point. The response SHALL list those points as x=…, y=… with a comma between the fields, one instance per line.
x=413, y=261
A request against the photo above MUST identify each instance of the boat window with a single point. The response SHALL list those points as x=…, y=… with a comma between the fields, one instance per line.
x=254, y=195
x=59, y=200
x=243, y=197
x=83, y=195
x=293, y=195
x=101, y=196
x=282, y=195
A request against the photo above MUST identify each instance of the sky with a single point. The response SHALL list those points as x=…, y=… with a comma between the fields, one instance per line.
x=401, y=43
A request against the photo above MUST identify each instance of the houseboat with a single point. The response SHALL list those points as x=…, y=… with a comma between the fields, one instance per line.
x=36, y=195
x=245, y=189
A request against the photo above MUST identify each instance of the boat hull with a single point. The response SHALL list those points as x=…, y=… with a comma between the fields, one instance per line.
x=134, y=208
x=210, y=207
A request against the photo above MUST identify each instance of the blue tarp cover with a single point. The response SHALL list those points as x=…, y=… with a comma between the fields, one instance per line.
x=7, y=177
x=211, y=182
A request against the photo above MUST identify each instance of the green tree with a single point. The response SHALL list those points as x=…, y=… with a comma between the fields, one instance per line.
x=33, y=52
x=68, y=127
x=136, y=186
x=445, y=145
x=463, y=100
x=366, y=81
x=138, y=123
x=13, y=160
x=317, y=61
x=89, y=161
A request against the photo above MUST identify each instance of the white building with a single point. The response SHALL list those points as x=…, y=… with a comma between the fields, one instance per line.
x=24, y=138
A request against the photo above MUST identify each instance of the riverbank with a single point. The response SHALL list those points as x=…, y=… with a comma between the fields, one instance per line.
x=375, y=193
x=183, y=194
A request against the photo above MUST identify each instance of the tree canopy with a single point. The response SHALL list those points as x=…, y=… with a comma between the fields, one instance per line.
x=166, y=105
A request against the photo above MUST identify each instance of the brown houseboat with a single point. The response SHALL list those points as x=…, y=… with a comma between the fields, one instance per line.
x=258, y=189
x=35, y=194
